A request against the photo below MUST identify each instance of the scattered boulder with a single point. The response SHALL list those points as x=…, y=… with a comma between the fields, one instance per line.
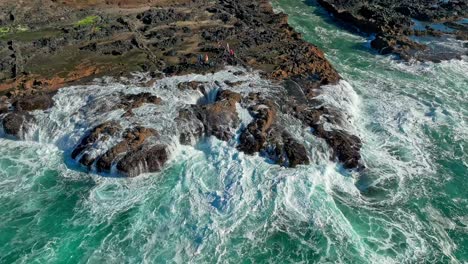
x=143, y=160
x=14, y=123
x=220, y=118
x=33, y=102
x=345, y=147
x=254, y=137
x=102, y=133
x=132, y=139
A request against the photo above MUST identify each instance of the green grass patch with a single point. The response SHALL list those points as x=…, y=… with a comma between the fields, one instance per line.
x=28, y=36
x=10, y=31
x=4, y=30
x=87, y=21
x=22, y=28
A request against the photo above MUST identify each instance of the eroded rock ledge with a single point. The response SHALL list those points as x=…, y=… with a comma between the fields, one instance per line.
x=398, y=24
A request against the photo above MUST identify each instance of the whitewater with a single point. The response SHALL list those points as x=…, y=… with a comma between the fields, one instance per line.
x=213, y=204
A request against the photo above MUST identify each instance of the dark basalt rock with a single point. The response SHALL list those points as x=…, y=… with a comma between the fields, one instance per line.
x=192, y=86
x=34, y=102
x=157, y=16
x=14, y=123
x=383, y=45
x=254, y=137
x=132, y=140
x=133, y=155
x=392, y=22
x=115, y=48
x=190, y=127
x=263, y=135
x=294, y=151
x=219, y=119
x=346, y=148
x=282, y=148
x=4, y=106
x=101, y=133
x=143, y=160
x=128, y=102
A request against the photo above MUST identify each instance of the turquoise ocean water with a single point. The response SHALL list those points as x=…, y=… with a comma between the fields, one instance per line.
x=214, y=205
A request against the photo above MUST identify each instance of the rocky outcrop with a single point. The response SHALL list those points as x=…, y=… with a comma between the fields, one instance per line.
x=143, y=160
x=219, y=119
x=128, y=102
x=102, y=133
x=15, y=124
x=393, y=23
x=344, y=146
x=253, y=139
x=33, y=102
x=132, y=140
x=284, y=149
x=95, y=40
x=136, y=152
x=181, y=37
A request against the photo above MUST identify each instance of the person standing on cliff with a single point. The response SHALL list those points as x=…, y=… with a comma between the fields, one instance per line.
x=200, y=59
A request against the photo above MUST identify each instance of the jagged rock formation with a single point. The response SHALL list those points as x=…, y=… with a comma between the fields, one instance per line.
x=394, y=23
x=169, y=39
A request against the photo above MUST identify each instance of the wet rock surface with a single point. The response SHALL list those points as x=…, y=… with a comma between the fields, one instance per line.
x=15, y=124
x=129, y=102
x=132, y=140
x=143, y=160
x=102, y=133
x=172, y=39
x=128, y=147
x=34, y=102
x=398, y=24
x=67, y=43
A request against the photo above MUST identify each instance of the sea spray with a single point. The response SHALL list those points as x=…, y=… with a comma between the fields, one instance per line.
x=214, y=204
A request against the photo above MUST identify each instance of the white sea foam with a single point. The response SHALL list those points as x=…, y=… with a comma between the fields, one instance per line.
x=214, y=204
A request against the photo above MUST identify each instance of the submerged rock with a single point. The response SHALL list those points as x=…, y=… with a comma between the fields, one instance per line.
x=265, y=136
x=254, y=137
x=345, y=147
x=128, y=102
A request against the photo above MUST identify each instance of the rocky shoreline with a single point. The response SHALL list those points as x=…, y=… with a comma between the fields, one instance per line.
x=400, y=26
x=167, y=39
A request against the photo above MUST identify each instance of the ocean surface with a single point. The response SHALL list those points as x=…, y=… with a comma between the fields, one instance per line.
x=215, y=205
